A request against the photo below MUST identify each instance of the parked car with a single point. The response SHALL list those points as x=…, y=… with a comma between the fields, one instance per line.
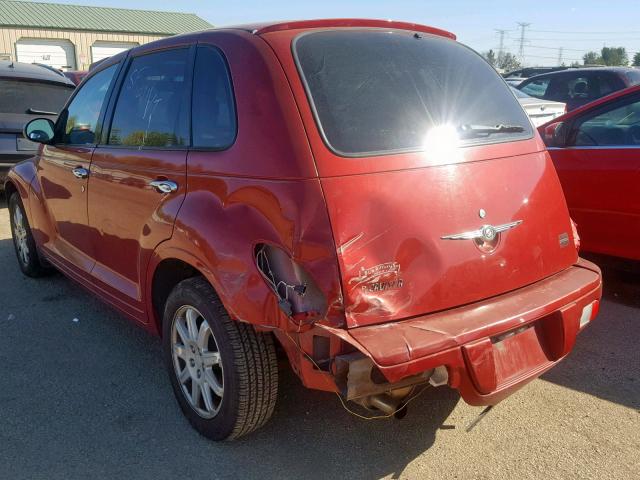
x=319, y=184
x=514, y=81
x=577, y=87
x=532, y=71
x=75, y=76
x=596, y=151
x=539, y=111
x=26, y=91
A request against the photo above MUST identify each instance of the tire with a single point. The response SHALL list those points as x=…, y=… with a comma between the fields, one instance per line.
x=242, y=388
x=23, y=242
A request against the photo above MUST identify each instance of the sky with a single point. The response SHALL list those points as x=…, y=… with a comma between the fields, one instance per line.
x=576, y=26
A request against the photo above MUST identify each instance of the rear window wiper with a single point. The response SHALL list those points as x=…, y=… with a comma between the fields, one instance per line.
x=466, y=130
x=40, y=112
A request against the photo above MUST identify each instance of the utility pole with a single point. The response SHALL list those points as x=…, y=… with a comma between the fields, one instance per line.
x=522, y=26
x=501, y=49
x=560, y=56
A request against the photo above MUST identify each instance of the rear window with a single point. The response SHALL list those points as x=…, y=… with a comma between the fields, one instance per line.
x=25, y=96
x=378, y=92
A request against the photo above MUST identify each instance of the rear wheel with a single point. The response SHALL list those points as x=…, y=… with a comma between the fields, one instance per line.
x=23, y=241
x=223, y=373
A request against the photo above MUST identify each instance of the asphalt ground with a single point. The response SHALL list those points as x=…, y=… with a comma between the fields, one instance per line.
x=89, y=399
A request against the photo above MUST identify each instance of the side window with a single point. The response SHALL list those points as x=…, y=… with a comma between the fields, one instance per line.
x=619, y=126
x=608, y=83
x=213, y=112
x=81, y=116
x=153, y=102
x=558, y=90
x=536, y=88
x=582, y=87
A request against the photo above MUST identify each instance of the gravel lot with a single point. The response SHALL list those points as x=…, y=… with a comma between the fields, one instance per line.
x=90, y=399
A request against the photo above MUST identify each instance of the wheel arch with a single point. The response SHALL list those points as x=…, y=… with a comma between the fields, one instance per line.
x=168, y=267
x=9, y=189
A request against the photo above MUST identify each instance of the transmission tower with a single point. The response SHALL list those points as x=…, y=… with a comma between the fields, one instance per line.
x=560, y=56
x=522, y=26
x=501, y=48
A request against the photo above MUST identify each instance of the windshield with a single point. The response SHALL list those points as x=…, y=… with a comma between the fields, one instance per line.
x=24, y=96
x=378, y=92
x=518, y=93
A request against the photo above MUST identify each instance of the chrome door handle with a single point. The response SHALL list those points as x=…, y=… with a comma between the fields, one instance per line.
x=164, y=186
x=80, y=172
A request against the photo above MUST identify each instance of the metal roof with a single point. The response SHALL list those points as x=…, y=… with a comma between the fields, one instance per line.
x=77, y=17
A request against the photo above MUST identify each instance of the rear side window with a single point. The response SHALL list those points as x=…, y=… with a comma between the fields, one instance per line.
x=25, y=96
x=152, y=107
x=377, y=92
x=633, y=76
x=213, y=110
x=536, y=88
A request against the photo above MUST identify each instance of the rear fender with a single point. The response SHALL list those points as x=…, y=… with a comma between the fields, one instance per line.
x=221, y=222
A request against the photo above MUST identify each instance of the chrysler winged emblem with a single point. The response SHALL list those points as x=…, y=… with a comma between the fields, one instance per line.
x=485, y=233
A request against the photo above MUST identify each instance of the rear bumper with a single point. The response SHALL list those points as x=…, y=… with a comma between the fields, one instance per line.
x=490, y=348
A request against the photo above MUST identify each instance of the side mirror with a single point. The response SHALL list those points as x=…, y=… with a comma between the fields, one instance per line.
x=555, y=134
x=39, y=130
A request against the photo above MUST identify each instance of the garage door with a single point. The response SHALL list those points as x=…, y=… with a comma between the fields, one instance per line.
x=57, y=53
x=101, y=50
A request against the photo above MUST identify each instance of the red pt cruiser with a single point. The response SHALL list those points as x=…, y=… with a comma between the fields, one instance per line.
x=369, y=195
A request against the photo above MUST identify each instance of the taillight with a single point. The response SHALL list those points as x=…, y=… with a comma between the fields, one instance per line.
x=576, y=237
x=298, y=296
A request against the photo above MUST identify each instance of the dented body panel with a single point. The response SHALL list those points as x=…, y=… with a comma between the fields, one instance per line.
x=357, y=243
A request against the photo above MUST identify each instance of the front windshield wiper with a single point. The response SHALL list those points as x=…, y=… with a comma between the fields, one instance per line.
x=467, y=131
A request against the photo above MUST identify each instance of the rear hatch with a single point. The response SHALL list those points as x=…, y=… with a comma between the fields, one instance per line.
x=20, y=101
x=438, y=191
x=541, y=111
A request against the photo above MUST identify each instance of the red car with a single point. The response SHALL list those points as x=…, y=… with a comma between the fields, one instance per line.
x=368, y=195
x=596, y=152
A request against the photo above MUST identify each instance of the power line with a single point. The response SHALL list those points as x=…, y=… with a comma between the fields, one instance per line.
x=585, y=33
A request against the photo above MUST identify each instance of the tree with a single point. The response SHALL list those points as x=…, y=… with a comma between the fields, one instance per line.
x=508, y=62
x=636, y=59
x=615, y=56
x=592, y=58
x=490, y=57
x=575, y=64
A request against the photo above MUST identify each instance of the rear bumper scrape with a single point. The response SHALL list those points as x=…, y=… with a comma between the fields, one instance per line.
x=490, y=348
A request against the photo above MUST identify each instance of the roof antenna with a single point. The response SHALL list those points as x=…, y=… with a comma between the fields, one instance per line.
x=12, y=66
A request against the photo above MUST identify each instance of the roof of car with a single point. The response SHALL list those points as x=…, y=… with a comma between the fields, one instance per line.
x=33, y=71
x=570, y=71
x=262, y=28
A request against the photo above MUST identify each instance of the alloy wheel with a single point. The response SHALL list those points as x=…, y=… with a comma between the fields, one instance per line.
x=196, y=361
x=20, y=236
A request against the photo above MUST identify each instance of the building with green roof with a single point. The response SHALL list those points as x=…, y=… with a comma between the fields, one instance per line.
x=72, y=37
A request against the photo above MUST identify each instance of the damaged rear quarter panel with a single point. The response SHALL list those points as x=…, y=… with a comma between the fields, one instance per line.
x=263, y=189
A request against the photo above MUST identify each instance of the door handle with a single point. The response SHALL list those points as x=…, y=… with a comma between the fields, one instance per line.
x=164, y=186
x=80, y=172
